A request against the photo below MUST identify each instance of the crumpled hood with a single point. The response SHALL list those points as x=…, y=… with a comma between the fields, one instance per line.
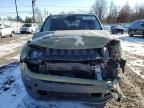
x=72, y=39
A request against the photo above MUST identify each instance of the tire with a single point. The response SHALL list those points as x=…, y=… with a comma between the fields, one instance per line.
x=12, y=34
x=22, y=32
x=130, y=33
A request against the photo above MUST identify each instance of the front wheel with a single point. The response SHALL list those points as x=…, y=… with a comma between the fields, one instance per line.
x=130, y=33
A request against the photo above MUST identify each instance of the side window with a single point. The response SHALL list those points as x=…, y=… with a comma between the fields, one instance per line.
x=142, y=23
x=46, y=25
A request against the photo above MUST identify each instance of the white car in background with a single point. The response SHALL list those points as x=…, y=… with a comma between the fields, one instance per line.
x=6, y=30
x=28, y=28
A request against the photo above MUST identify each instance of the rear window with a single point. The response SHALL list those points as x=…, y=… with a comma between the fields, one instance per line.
x=27, y=25
x=71, y=22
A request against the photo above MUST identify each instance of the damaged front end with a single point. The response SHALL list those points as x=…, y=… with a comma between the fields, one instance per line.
x=92, y=71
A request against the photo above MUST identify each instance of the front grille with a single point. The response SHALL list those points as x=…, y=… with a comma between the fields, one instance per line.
x=62, y=54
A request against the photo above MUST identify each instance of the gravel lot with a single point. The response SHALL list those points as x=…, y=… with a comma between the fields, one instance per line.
x=12, y=90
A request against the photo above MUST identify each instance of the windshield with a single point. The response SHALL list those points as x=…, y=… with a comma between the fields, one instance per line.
x=72, y=22
x=27, y=25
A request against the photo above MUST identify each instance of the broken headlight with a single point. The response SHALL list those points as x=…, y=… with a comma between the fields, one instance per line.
x=36, y=54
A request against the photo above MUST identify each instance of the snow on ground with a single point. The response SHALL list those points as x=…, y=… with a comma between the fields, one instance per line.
x=10, y=47
x=133, y=50
x=13, y=94
x=17, y=57
x=133, y=45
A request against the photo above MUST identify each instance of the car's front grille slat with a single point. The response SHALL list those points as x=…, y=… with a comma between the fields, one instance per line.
x=72, y=54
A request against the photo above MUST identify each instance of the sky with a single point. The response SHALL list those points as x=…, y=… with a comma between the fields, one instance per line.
x=7, y=7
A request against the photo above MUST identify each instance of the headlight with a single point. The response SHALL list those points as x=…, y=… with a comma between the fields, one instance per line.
x=36, y=54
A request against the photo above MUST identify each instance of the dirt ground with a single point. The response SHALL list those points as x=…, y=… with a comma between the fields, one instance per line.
x=132, y=86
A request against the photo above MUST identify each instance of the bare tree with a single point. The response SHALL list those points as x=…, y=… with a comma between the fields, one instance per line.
x=112, y=14
x=124, y=14
x=28, y=19
x=141, y=12
x=100, y=8
x=38, y=15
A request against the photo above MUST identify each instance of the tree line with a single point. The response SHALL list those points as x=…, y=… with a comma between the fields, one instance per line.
x=105, y=11
x=110, y=13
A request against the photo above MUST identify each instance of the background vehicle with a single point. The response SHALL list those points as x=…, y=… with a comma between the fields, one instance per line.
x=71, y=56
x=136, y=28
x=28, y=28
x=6, y=30
x=107, y=28
x=117, y=29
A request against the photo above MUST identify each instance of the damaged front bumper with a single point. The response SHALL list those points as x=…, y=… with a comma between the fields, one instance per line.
x=94, y=90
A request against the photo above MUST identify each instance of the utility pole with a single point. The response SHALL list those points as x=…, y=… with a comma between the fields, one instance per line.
x=33, y=5
x=17, y=17
x=16, y=10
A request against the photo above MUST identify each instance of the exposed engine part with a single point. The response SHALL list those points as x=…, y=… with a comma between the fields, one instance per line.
x=100, y=69
x=117, y=93
x=97, y=70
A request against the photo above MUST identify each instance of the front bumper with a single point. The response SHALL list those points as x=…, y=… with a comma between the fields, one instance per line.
x=25, y=31
x=66, y=85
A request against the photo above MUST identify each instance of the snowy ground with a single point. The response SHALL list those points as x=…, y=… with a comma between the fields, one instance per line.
x=133, y=50
x=13, y=94
x=11, y=47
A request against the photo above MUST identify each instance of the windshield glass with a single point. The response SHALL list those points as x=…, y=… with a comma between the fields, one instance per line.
x=27, y=25
x=142, y=24
x=72, y=22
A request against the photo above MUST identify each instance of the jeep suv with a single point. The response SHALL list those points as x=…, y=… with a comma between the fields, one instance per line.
x=136, y=28
x=72, y=56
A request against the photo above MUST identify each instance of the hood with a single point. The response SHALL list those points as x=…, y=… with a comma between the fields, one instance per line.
x=72, y=39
